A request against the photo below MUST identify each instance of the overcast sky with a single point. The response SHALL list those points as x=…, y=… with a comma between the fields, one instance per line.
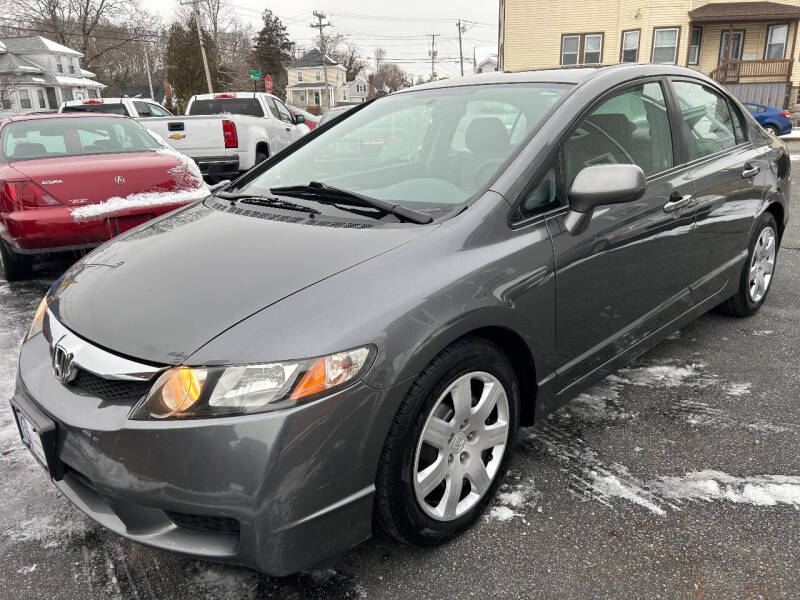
x=399, y=27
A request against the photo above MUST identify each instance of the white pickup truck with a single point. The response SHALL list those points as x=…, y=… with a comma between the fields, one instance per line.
x=130, y=107
x=229, y=133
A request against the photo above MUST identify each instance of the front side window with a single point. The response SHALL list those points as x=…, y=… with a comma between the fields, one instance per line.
x=739, y=124
x=45, y=138
x=665, y=45
x=542, y=197
x=694, y=47
x=283, y=112
x=630, y=46
x=158, y=111
x=776, y=42
x=706, y=119
x=631, y=127
x=429, y=150
x=143, y=108
x=25, y=99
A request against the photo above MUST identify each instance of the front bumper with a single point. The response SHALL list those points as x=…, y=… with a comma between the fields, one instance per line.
x=298, y=483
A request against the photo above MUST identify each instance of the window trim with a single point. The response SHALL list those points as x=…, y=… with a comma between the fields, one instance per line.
x=770, y=27
x=722, y=37
x=638, y=30
x=582, y=47
x=677, y=44
x=699, y=45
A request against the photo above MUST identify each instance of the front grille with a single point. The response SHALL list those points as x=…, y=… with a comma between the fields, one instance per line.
x=110, y=389
x=204, y=522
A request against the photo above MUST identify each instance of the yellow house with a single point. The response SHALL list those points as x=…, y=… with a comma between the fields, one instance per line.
x=747, y=46
x=306, y=86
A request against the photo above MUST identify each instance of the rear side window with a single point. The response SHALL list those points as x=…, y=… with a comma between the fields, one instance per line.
x=706, y=119
x=114, y=109
x=739, y=124
x=231, y=106
x=631, y=127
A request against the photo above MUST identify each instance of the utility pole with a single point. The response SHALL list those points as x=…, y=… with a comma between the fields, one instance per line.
x=433, y=53
x=149, y=79
x=194, y=3
x=461, y=29
x=320, y=25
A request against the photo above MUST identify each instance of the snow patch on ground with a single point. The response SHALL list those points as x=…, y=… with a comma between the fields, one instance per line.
x=134, y=201
x=699, y=413
x=738, y=389
x=222, y=582
x=709, y=485
x=513, y=499
x=665, y=375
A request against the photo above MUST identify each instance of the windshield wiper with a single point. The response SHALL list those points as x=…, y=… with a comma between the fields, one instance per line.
x=316, y=189
x=259, y=200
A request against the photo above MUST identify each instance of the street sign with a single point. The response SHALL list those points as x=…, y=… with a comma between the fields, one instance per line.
x=268, y=83
x=255, y=74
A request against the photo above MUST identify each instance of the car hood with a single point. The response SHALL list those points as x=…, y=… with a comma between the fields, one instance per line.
x=163, y=290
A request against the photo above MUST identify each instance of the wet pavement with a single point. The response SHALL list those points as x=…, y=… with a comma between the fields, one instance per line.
x=678, y=477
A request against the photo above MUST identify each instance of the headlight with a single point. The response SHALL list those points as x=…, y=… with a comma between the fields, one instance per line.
x=202, y=392
x=38, y=320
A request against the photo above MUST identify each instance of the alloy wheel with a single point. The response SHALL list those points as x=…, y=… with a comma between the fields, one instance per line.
x=762, y=265
x=461, y=446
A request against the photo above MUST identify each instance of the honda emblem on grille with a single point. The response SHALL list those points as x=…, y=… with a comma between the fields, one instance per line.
x=62, y=364
x=119, y=179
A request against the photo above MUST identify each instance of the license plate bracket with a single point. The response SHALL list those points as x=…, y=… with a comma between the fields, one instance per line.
x=38, y=433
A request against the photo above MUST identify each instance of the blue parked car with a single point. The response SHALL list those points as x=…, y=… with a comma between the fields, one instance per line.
x=774, y=120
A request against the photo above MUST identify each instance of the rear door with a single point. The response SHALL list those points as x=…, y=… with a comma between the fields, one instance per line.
x=625, y=276
x=730, y=175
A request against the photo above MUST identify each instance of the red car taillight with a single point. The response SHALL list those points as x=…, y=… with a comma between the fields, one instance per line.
x=23, y=195
x=230, y=134
x=786, y=114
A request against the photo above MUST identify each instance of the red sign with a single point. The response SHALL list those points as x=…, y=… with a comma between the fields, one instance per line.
x=268, y=83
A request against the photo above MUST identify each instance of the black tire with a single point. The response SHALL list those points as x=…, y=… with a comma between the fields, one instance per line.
x=260, y=157
x=771, y=130
x=741, y=304
x=14, y=267
x=398, y=511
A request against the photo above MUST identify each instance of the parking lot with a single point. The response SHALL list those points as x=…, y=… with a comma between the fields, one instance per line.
x=679, y=477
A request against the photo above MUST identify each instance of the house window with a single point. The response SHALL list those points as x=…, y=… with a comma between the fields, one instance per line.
x=630, y=46
x=316, y=98
x=694, y=47
x=665, y=45
x=735, y=48
x=302, y=97
x=42, y=101
x=71, y=67
x=25, y=99
x=299, y=76
x=5, y=100
x=319, y=75
x=59, y=66
x=776, y=41
x=583, y=48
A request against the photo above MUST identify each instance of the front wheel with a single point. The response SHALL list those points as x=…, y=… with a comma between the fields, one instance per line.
x=449, y=445
x=772, y=130
x=758, y=271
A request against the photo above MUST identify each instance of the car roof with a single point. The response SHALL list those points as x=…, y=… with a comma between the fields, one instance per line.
x=566, y=75
x=55, y=115
x=106, y=101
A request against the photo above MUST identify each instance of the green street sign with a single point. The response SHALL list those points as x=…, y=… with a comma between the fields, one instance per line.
x=255, y=74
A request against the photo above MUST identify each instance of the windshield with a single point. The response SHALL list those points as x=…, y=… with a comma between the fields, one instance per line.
x=46, y=138
x=231, y=106
x=426, y=150
x=332, y=113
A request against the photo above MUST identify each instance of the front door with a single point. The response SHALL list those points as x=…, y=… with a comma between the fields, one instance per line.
x=624, y=277
x=730, y=175
x=732, y=51
x=52, y=101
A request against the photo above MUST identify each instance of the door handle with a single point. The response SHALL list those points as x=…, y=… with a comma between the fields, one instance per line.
x=676, y=202
x=750, y=171
x=288, y=129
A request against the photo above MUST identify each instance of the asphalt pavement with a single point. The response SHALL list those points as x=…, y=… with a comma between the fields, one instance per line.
x=678, y=477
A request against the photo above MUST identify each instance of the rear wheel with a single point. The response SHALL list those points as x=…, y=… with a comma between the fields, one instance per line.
x=14, y=266
x=450, y=444
x=261, y=157
x=758, y=271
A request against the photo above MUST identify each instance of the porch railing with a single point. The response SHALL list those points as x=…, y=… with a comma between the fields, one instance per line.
x=732, y=71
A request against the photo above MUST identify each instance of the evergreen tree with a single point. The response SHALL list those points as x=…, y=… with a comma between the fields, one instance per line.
x=185, y=70
x=272, y=51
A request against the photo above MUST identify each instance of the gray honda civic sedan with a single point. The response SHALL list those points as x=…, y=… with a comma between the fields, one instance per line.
x=350, y=335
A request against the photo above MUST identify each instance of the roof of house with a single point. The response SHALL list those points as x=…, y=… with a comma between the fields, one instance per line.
x=310, y=84
x=313, y=58
x=743, y=11
x=11, y=63
x=36, y=43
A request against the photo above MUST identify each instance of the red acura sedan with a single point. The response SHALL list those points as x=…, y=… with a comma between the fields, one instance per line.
x=71, y=182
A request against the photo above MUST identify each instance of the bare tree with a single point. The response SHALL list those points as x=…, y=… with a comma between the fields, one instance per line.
x=380, y=56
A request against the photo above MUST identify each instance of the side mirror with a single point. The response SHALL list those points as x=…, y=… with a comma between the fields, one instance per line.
x=299, y=119
x=600, y=185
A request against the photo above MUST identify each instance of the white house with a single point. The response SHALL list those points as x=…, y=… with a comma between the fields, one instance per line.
x=356, y=91
x=487, y=64
x=39, y=74
x=306, y=82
